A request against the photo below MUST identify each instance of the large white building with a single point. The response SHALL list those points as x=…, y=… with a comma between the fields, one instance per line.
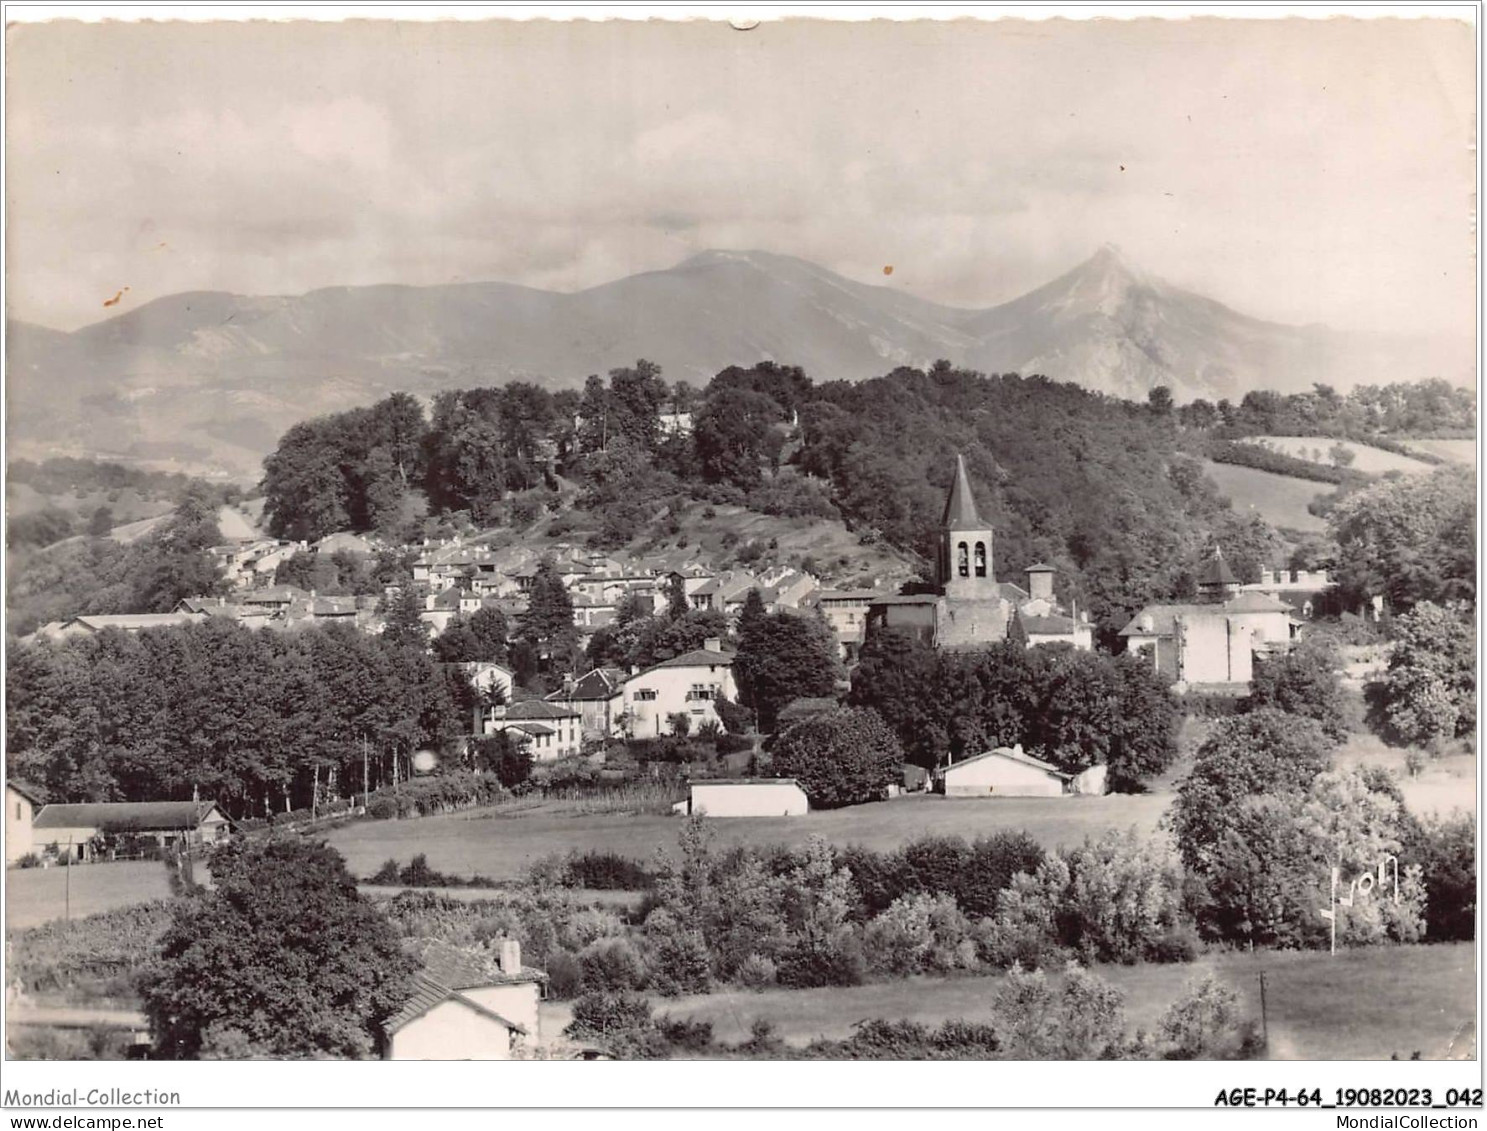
x=689, y=684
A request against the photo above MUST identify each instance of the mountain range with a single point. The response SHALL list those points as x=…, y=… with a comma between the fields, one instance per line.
x=208, y=381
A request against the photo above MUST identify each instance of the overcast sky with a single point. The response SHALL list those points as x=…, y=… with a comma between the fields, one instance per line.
x=1299, y=170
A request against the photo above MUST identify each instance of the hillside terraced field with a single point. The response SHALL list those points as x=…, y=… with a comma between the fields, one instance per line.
x=1317, y=449
x=1279, y=499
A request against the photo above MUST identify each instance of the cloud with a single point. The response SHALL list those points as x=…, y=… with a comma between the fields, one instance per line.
x=1300, y=170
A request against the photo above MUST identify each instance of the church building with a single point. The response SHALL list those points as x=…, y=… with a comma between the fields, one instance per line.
x=973, y=609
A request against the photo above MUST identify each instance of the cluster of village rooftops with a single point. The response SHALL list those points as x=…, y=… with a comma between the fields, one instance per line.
x=1209, y=643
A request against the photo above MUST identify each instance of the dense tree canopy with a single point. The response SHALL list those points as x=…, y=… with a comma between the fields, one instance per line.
x=783, y=656
x=841, y=758
x=280, y=959
x=253, y=718
x=1075, y=709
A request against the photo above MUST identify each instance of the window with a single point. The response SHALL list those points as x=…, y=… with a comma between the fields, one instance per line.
x=645, y=695
x=965, y=561
x=980, y=559
x=700, y=692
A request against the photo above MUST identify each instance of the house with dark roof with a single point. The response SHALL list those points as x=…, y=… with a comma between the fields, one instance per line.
x=1213, y=641
x=125, y=622
x=689, y=684
x=466, y=1005
x=551, y=730
x=598, y=697
x=81, y=830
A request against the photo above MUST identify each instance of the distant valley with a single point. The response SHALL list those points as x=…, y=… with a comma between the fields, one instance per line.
x=206, y=382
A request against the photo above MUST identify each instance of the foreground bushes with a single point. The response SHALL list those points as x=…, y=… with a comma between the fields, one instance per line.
x=96, y=957
x=441, y=793
x=1083, y=1018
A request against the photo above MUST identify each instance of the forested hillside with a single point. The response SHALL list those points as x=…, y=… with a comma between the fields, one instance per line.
x=1099, y=487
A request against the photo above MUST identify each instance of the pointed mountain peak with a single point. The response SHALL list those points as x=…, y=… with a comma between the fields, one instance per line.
x=960, y=506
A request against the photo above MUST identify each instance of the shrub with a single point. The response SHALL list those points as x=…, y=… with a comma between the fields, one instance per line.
x=606, y=871
x=564, y=974
x=387, y=874
x=610, y=965
x=757, y=972
x=919, y=933
x=677, y=956
x=685, y=1034
x=1179, y=944
x=621, y=1024
x=837, y=961
x=1206, y=1024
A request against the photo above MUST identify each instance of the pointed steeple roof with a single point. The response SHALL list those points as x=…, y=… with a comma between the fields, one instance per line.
x=1217, y=572
x=960, y=507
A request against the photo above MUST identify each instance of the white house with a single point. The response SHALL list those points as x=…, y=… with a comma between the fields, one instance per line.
x=21, y=805
x=553, y=729
x=464, y=1009
x=747, y=797
x=598, y=697
x=688, y=684
x=1004, y=772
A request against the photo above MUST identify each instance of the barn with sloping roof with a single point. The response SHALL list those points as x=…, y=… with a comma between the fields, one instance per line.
x=76, y=830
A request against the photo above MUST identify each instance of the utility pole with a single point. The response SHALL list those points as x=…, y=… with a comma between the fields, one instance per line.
x=365, y=791
x=1264, y=1018
x=67, y=885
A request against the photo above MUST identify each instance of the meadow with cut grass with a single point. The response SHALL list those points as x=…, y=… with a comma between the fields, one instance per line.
x=502, y=844
x=1367, y=1004
x=1280, y=500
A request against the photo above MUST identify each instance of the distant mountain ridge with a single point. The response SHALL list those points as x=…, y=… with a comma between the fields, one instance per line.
x=209, y=380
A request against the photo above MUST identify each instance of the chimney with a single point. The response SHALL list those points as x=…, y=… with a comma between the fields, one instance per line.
x=510, y=957
x=1040, y=582
x=713, y=644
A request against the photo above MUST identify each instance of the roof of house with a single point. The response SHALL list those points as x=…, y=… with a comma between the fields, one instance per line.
x=135, y=620
x=1256, y=603
x=1040, y=567
x=960, y=504
x=844, y=595
x=698, y=658
x=912, y=599
x=747, y=781
x=1163, y=616
x=1011, y=754
x=529, y=726
x=30, y=792
x=601, y=683
x=538, y=709
x=1048, y=626
x=275, y=595
x=118, y=816
x=446, y=971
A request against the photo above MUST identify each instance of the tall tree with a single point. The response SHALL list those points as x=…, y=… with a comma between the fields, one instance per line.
x=281, y=958
x=783, y=657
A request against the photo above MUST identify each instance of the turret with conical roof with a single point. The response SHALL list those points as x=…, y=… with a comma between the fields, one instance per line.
x=965, y=565
x=1217, y=581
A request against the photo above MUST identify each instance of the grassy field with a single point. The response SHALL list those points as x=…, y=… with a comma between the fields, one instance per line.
x=476, y=843
x=1362, y=1005
x=35, y=895
x=1457, y=451
x=1370, y=460
x=1279, y=499
x=1447, y=783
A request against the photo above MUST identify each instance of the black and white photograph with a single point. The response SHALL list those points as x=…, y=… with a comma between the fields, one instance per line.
x=743, y=538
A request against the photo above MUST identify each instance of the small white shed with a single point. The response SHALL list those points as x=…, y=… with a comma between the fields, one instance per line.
x=748, y=797
x=1004, y=772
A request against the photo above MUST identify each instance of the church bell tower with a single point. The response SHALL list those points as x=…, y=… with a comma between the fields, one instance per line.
x=965, y=544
